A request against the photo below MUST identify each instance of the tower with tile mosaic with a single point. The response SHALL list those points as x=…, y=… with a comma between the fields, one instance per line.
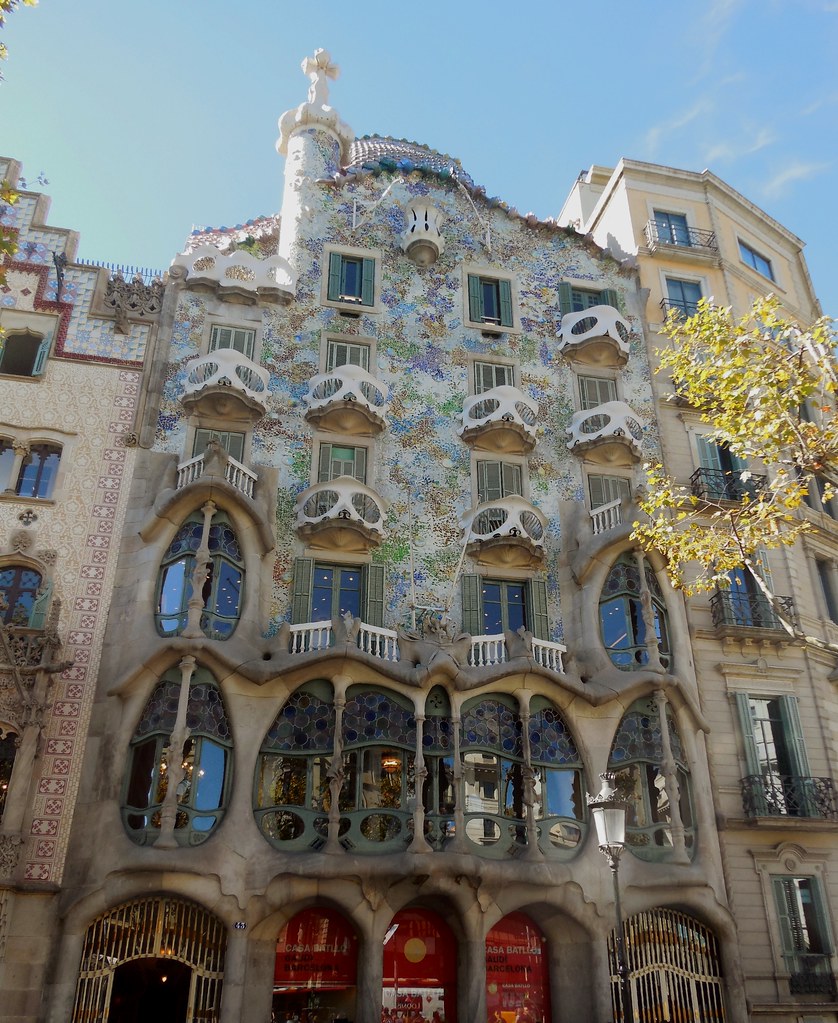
x=378, y=625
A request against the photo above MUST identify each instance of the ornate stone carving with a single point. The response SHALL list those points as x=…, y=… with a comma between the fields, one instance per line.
x=132, y=298
x=21, y=541
x=48, y=557
x=9, y=854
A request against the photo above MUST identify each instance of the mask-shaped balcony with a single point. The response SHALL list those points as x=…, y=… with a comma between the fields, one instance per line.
x=343, y=514
x=507, y=533
x=347, y=400
x=610, y=434
x=501, y=420
x=598, y=336
x=226, y=383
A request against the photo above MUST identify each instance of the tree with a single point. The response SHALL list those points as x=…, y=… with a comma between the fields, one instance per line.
x=768, y=389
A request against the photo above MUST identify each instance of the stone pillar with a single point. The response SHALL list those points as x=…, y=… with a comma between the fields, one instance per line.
x=459, y=843
x=533, y=849
x=420, y=843
x=471, y=989
x=648, y=611
x=235, y=963
x=370, y=981
x=336, y=773
x=175, y=772
x=199, y=577
x=21, y=450
x=670, y=774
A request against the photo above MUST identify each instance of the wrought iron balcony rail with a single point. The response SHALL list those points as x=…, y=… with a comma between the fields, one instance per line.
x=679, y=305
x=722, y=485
x=782, y=795
x=747, y=610
x=682, y=237
x=811, y=974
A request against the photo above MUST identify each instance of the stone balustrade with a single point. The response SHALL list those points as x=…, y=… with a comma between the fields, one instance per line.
x=239, y=271
x=607, y=516
x=236, y=474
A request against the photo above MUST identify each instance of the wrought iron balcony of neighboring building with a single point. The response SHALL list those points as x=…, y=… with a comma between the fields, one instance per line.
x=224, y=383
x=347, y=399
x=508, y=532
x=735, y=609
x=678, y=305
x=810, y=973
x=657, y=235
x=725, y=485
x=501, y=420
x=216, y=460
x=611, y=434
x=343, y=514
x=596, y=335
x=781, y=795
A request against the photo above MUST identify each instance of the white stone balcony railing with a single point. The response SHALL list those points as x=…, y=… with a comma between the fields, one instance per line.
x=371, y=639
x=239, y=271
x=509, y=531
x=340, y=504
x=505, y=410
x=339, y=398
x=491, y=649
x=600, y=323
x=613, y=422
x=236, y=474
x=607, y=516
x=227, y=368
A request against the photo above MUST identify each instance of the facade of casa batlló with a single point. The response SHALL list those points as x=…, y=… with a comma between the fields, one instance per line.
x=377, y=627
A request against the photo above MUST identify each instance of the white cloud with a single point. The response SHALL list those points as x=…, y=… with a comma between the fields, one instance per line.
x=796, y=171
x=744, y=146
x=676, y=123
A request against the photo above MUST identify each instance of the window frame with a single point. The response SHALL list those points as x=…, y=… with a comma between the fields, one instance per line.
x=369, y=300
x=624, y=495
x=584, y=380
x=750, y=257
x=474, y=278
x=509, y=368
x=250, y=343
x=570, y=290
x=372, y=596
x=508, y=466
x=536, y=607
x=687, y=307
x=219, y=435
x=330, y=365
x=672, y=239
x=327, y=444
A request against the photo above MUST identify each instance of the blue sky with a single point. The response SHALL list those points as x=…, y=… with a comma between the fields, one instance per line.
x=147, y=118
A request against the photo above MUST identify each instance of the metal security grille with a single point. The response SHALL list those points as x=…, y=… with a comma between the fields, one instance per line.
x=152, y=928
x=674, y=970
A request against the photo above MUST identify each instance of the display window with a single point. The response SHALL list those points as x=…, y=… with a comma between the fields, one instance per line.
x=517, y=974
x=420, y=969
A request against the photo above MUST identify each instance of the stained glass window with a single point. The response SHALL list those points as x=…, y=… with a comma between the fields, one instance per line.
x=622, y=624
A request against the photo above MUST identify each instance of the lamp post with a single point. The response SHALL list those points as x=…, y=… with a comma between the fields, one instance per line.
x=609, y=813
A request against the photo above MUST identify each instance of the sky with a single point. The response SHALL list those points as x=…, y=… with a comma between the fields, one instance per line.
x=150, y=118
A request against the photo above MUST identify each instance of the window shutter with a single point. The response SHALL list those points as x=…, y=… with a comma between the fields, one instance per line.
x=301, y=599
x=793, y=732
x=609, y=297
x=324, y=471
x=374, y=596
x=512, y=481
x=489, y=486
x=565, y=298
x=539, y=623
x=787, y=915
x=743, y=705
x=475, y=299
x=368, y=282
x=335, y=264
x=360, y=472
x=709, y=456
x=38, y=614
x=505, y=299
x=40, y=363
x=472, y=618
x=596, y=488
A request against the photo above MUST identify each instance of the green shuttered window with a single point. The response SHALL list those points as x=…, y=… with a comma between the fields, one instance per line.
x=351, y=279
x=493, y=606
x=490, y=301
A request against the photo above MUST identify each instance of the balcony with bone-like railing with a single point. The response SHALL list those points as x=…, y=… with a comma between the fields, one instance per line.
x=347, y=399
x=213, y=379
x=508, y=532
x=237, y=475
x=596, y=335
x=383, y=644
x=238, y=273
x=611, y=433
x=501, y=419
x=343, y=514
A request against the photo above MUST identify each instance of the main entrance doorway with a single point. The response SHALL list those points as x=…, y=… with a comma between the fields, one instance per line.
x=420, y=969
x=316, y=969
x=150, y=989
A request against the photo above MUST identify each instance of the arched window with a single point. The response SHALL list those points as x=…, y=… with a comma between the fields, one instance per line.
x=24, y=354
x=621, y=615
x=222, y=590
x=493, y=774
x=379, y=743
x=557, y=778
x=292, y=798
x=8, y=751
x=438, y=789
x=19, y=588
x=38, y=471
x=204, y=759
x=637, y=758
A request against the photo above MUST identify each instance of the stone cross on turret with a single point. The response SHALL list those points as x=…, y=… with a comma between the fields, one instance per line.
x=315, y=112
x=319, y=68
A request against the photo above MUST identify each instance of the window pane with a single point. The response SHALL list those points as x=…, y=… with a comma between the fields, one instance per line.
x=321, y=594
x=515, y=606
x=350, y=592
x=342, y=353
x=492, y=613
x=481, y=782
x=211, y=771
x=491, y=301
x=351, y=273
x=228, y=595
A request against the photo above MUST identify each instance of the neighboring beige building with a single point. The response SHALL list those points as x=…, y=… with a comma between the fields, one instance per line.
x=770, y=704
x=70, y=371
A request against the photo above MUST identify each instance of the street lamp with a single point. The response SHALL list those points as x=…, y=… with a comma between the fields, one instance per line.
x=609, y=813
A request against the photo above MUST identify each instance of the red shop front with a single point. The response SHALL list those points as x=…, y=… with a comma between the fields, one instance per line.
x=517, y=972
x=420, y=969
